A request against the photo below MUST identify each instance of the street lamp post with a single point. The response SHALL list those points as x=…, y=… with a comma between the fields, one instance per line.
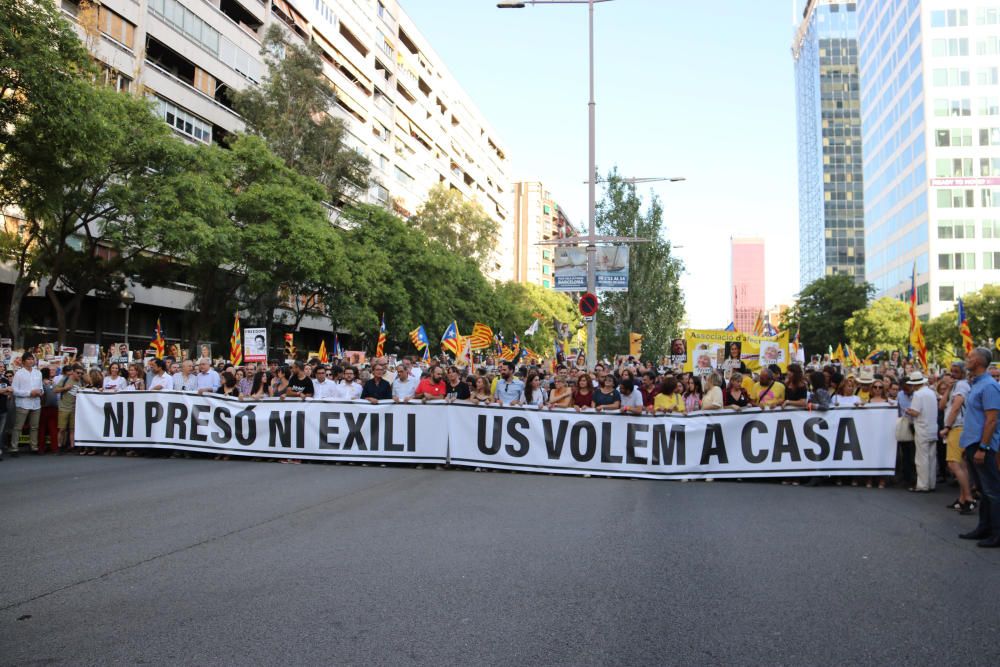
x=127, y=299
x=591, y=238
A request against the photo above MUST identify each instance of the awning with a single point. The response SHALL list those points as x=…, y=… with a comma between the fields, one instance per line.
x=341, y=61
x=350, y=103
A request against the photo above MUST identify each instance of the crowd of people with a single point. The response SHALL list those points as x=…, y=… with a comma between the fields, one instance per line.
x=948, y=416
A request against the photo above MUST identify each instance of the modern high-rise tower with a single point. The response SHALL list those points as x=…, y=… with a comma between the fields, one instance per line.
x=748, y=282
x=831, y=212
x=930, y=102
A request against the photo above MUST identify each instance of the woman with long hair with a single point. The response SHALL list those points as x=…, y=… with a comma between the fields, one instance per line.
x=796, y=388
x=583, y=397
x=261, y=387
x=607, y=398
x=532, y=394
x=692, y=393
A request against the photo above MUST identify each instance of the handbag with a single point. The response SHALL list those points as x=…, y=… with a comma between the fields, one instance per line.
x=904, y=430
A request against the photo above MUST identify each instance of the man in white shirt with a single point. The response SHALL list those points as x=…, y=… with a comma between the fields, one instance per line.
x=405, y=385
x=208, y=377
x=160, y=380
x=631, y=398
x=347, y=389
x=923, y=410
x=323, y=387
x=413, y=369
x=27, y=386
x=186, y=380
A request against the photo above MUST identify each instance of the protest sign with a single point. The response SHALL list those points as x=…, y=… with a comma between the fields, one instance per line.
x=745, y=444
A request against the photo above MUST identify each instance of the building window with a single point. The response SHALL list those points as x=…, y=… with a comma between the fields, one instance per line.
x=380, y=194
x=403, y=177
x=115, y=27
x=989, y=166
x=991, y=260
x=951, y=18
x=990, y=198
x=988, y=16
x=956, y=229
x=947, y=198
x=953, y=46
x=946, y=293
x=946, y=167
x=989, y=106
x=991, y=229
x=183, y=121
x=988, y=47
x=953, y=137
x=951, y=76
x=546, y=283
x=988, y=76
x=989, y=136
x=957, y=107
x=546, y=269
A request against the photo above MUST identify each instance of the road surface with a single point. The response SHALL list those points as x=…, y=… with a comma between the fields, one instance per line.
x=193, y=561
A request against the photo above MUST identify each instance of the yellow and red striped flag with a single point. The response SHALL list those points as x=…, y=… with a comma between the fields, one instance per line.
x=236, y=343
x=323, y=356
x=481, y=336
x=917, y=341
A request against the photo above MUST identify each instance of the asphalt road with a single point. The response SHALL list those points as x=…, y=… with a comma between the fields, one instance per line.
x=153, y=561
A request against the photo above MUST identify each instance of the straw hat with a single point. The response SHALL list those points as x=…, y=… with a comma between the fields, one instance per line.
x=916, y=377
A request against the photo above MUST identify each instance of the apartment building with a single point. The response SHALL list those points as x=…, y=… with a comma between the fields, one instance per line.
x=828, y=110
x=401, y=106
x=930, y=100
x=747, y=270
x=537, y=219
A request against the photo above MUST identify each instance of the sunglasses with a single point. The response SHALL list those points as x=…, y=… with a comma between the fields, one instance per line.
x=877, y=386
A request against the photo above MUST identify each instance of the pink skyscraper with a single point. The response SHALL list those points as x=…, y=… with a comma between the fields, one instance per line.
x=748, y=282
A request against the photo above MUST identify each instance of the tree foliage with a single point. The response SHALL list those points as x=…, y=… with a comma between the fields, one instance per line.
x=822, y=310
x=462, y=226
x=290, y=110
x=982, y=310
x=654, y=303
x=883, y=324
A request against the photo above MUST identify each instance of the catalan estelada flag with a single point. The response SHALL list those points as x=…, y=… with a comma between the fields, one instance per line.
x=451, y=340
x=236, y=343
x=323, y=357
x=963, y=329
x=916, y=331
x=158, y=344
x=481, y=336
x=419, y=338
x=380, y=345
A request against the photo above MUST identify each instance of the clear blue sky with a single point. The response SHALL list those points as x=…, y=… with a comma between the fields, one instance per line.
x=690, y=88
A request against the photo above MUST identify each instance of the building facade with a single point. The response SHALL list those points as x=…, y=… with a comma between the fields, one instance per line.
x=537, y=218
x=831, y=210
x=747, y=282
x=930, y=99
x=401, y=107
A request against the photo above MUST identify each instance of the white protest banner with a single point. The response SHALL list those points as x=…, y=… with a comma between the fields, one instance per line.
x=254, y=345
x=755, y=443
x=291, y=428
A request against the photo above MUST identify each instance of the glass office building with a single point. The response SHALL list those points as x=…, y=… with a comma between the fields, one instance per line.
x=831, y=213
x=930, y=100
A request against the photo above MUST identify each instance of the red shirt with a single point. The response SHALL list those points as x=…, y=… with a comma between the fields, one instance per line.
x=649, y=397
x=582, y=400
x=426, y=387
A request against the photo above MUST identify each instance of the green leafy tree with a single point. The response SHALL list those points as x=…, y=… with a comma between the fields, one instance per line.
x=982, y=310
x=95, y=182
x=463, y=226
x=290, y=111
x=882, y=325
x=40, y=54
x=654, y=303
x=822, y=309
x=515, y=306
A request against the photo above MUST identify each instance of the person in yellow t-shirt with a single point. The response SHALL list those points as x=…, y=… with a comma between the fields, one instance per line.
x=668, y=400
x=767, y=392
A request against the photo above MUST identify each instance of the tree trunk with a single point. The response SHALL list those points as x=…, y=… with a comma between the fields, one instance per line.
x=60, y=310
x=21, y=287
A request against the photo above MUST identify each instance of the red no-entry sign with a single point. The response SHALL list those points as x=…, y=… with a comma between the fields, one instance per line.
x=588, y=304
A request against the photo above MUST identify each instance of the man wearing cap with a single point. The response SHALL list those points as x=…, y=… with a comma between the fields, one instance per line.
x=954, y=420
x=923, y=410
x=980, y=438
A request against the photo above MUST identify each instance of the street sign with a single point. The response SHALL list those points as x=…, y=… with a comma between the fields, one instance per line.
x=588, y=304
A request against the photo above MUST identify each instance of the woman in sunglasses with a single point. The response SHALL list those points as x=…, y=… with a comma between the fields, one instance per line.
x=878, y=395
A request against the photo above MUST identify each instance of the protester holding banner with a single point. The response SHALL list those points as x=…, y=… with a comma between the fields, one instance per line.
x=532, y=394
x=606, y=397
x=712, y=400
x=735, y=396
x=668, y=400
x=583, y=396
x=377, y=388
x=431, y=386
x=509, y=387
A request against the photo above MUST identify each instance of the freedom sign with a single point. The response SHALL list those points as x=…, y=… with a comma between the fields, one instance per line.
x=746, y=444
